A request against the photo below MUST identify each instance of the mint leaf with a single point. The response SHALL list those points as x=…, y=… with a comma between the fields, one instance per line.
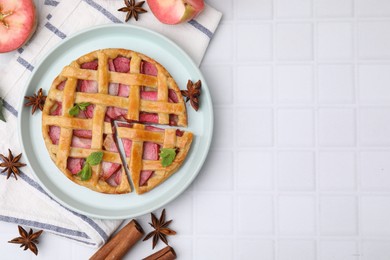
x=95, y=158
x=74, y=111
x=2, y=118
x=85, y=173
x=83, y=105
x=167, y=155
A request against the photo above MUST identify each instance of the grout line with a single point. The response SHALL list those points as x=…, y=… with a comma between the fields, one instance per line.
x=305, y=106
x=270, y=148
x=293, y=236
x=274, y=96
x=357, y=140
x=323, y=19
x=291, y=192
x=194, y=226
x=316, y=137
x=192, y=234
x=235, y=202
x=282, y=62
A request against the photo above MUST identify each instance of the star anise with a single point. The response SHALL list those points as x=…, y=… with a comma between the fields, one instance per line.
x=192, y=93
x=132, y=9
x=28, y=240
x=161, y=230
x=11, y=164
x=36, y=101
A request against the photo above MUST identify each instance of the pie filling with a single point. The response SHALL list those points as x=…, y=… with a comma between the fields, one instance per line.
x=112, y=172
x=74, y=165
x=150, y=152
x=82, y=138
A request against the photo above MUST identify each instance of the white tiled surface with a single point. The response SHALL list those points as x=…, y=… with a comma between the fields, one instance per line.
x=299, y=168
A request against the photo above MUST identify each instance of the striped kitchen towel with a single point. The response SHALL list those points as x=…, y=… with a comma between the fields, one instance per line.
x=23, y=201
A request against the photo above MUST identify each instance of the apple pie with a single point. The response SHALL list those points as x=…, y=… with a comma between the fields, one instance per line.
x=107, y=86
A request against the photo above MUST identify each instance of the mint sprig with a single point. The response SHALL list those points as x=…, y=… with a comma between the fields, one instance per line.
x=93, y=159
x=167, y=156
x=86, y=172
x=75, y=110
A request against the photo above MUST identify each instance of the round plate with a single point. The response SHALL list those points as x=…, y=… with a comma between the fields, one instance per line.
x=89, y=202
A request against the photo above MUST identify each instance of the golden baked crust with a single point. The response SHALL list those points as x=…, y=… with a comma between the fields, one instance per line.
x=69, y=95
x=167, y=138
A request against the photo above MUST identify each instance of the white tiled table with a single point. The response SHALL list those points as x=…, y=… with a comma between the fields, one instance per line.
x=300, y=164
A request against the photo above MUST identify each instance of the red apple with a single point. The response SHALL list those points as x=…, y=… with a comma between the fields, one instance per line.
x=175, y=11
x=18, y=22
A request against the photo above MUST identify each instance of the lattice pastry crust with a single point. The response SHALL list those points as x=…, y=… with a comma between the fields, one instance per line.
x=119, y=85
x=139, y=166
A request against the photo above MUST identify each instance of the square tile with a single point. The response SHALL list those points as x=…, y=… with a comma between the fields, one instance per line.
x=213, y=214
x=255, y=209
x=219, y=80
x=7, y=227
x=294, y=83
x=336, y=126
x=254, y=170
x=223, y=125
x=293, y=8
x=338, y=215
x=255, y=127
x=210, y=248
x=333, y=8
x=374, y=82
x=217, y=172
x=336, y=84
x=374, y=40
x=335, y=41
x=254, y=42
x=336, y=170
x=49, y=242
x=225, y=7
x=375, y=215
x=253, y=9
x=252, y=249
x=374, y=170
x=294, y=41
x=182, y=207
x=295, y=127
x=338, y=250
x=374, y=126
x=76, y=251
x=183, y=247
x=375, y=250
x=295, y=170
x=254, y=85
x=297, y=215
x=376, y=8
x=296, y=249
x=220, y=51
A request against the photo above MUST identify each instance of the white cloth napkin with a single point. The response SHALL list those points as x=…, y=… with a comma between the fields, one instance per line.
x=23, y=201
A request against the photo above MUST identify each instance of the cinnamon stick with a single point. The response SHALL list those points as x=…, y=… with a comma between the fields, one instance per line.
x=118, y=245
x=167, y=253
